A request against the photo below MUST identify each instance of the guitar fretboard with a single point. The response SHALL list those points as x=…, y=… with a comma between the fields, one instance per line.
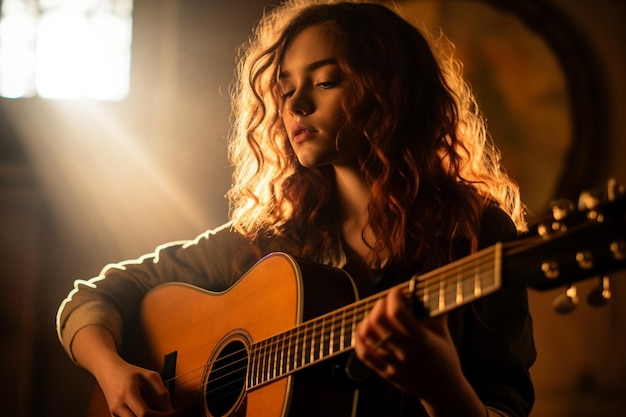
x=438, y=291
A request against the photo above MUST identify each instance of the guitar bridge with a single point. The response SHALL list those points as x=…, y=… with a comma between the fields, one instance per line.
x=169, y=371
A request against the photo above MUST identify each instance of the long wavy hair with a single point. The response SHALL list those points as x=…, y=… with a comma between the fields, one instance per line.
x=428, y=159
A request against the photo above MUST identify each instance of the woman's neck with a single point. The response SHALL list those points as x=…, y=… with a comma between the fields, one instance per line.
x=353, y=195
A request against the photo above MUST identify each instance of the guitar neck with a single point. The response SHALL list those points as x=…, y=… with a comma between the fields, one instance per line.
x=581, y=245
x=329, y=335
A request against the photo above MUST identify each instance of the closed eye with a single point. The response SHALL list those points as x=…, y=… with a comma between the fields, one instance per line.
x=287, y=94
x=329, y=84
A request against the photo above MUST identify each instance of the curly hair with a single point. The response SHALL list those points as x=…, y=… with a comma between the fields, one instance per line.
x=430, y=163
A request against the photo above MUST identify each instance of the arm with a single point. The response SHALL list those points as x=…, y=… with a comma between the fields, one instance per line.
x=419, y=358
x=92, y=319
x=473, y=357
x=111, y=299
x=128, y=389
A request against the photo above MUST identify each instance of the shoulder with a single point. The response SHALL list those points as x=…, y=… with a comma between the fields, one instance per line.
x=496, y=226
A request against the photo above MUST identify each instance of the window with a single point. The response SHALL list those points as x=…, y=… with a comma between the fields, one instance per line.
x=67, y=49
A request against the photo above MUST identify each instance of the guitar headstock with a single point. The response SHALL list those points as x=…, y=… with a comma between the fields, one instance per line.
x=578, y=241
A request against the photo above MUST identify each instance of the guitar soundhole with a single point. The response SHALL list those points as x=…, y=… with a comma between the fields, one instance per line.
x=226, y=379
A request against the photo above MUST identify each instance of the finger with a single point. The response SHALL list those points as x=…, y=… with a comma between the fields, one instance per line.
x=379, y=344
x=158, y=395
x=137, y=407
x=374, y=326
x=374, y=357
x=136, y=404
x=375, y=342
x=124, y=411
x=400, y=316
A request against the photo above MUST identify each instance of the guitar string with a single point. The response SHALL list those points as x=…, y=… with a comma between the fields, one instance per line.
x=424, y=285
x=318, y=326
x=364, y=304
x=360, y=309
x=428, y=282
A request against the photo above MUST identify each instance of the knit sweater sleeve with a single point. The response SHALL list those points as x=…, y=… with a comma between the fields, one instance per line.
x=212, y=261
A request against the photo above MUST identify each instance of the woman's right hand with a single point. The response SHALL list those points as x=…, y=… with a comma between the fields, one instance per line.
x=134, y=391
x=129, y=390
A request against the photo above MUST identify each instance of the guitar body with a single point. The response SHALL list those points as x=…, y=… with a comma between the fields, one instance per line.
x=200, y=340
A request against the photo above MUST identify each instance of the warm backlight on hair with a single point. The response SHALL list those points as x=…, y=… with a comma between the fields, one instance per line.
x=65, y=49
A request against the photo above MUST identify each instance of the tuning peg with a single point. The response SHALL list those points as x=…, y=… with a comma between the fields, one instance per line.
x=601, y=294
x=618, y=250
x=561, y=208
x=566, y=302
x=614, y=189
x=589, y=200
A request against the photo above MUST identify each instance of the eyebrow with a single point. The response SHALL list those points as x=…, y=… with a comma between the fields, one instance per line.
x=311, y=67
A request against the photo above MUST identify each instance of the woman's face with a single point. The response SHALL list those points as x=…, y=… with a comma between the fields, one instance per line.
x=312, y=86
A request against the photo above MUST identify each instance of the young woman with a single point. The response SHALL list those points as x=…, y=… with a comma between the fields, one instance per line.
x=356, y=144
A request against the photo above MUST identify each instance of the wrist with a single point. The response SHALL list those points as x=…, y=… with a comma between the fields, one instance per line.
x=452, y=402
x=94, y=349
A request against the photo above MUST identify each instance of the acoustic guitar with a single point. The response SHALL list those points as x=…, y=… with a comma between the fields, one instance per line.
x=273, y=344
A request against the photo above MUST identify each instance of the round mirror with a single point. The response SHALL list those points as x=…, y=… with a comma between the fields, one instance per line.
x=521, y=71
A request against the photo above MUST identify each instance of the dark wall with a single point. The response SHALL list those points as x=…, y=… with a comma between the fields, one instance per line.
x=84, y=184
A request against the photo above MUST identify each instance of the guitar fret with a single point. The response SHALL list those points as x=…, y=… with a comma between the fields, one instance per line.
x=273, y=358
x=291, y=352
x=252, y=366
x=450, y=294
x=268, y=361
x=249, y=375
x=320, y=341
x=316, y=341
x=315, y=335
x=351, y=324
x=298, y=351
x=331, y=336
x=259, y=371
x=442, y=295
x=312, y=344
x=258, y=359
x=323, y=337
x=477, y=287
x=327, y=335
x=339, y=336
x=267, y=364
x=263, y=375
x=281, y=362
x=459, y=287
x=306, y=351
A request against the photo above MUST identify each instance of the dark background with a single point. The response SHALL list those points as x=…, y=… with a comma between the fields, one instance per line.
x=83, y=184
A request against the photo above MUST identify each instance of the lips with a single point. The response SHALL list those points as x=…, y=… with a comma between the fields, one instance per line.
x=301, y=132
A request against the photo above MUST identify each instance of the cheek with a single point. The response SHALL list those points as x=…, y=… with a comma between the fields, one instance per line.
x=284, y=125
x=285, y=146
x=351, y=138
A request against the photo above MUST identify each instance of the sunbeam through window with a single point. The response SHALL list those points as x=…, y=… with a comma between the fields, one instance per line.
x=65, y=49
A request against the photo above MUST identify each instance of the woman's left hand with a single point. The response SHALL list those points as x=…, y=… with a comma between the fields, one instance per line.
x=418, y=357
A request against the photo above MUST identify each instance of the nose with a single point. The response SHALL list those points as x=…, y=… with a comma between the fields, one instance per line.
x=300, y=102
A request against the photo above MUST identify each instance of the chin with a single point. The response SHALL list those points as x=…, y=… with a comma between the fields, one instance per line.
x=309, y=162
